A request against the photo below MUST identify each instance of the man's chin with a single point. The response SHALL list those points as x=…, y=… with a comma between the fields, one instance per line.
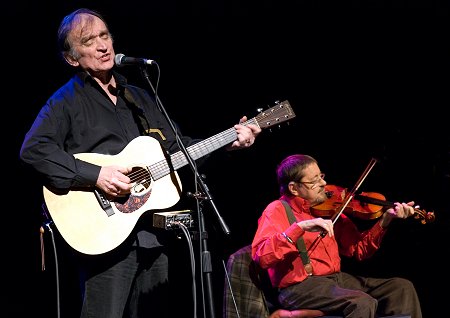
x=321, y=198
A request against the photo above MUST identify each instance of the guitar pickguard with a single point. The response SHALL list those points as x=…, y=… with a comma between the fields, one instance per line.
x=133, y=203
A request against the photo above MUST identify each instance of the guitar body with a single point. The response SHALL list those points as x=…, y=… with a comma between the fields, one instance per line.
x=94, y=224
x=82, y=221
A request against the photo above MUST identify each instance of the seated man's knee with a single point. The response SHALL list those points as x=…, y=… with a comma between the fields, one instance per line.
x=403, y=286
x=402, y=283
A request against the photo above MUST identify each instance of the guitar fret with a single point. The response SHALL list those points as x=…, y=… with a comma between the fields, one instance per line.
x=196, y=151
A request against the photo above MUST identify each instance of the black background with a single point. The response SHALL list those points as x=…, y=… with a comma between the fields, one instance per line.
x=366, y=79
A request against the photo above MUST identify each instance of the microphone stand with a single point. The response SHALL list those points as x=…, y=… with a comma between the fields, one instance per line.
x=205, y=255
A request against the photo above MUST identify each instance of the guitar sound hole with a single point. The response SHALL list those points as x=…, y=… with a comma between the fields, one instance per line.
x=142, y=179
x=140, y=192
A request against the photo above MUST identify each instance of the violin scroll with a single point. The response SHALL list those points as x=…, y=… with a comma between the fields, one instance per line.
x=424, y=216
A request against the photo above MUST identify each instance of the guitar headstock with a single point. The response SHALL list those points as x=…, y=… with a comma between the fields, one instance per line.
x=423, y=216
x=275, y=115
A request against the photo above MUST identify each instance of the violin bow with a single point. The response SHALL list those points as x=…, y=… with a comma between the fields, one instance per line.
x=346, y=201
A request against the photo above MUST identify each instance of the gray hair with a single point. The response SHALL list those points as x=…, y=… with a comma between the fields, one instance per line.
x=67, y=25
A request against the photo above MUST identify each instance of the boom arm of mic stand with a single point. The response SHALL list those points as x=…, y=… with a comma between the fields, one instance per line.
x=199, y=179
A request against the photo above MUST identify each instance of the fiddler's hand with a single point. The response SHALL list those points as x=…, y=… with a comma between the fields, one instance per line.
x=317, y=225
x=246, y=135
x=398, y=211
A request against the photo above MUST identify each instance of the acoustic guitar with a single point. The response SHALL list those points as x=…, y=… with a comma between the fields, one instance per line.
x=92, y=223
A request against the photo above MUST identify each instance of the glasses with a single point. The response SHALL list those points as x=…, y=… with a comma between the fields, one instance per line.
x=315, y=183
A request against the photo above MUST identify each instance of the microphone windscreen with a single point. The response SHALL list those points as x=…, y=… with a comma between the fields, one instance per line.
x=118, y=59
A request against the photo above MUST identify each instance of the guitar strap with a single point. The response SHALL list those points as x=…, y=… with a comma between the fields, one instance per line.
x=300, y=242
x=138, y=112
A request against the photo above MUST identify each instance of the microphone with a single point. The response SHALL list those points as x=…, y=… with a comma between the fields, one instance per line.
x=121, y=60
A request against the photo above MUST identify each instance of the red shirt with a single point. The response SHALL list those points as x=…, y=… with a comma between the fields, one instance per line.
x=281, y=258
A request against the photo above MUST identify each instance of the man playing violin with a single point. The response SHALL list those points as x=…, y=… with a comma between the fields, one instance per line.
x=313, y=279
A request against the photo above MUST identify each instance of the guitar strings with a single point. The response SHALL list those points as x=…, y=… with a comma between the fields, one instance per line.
x=161, y=168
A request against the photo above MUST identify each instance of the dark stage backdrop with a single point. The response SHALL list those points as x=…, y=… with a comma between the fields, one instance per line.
x=366, y=79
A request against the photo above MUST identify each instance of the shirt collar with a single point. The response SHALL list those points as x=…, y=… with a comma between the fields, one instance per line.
x=297, y=204
x=120, y=79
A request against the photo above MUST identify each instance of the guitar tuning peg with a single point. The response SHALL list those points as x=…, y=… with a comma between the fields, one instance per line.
x=259, y=110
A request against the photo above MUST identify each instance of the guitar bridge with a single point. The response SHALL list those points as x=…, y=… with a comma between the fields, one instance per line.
x=104, y=203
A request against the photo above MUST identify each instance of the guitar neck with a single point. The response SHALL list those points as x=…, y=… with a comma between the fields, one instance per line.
x=196, y=151
x=275, y=115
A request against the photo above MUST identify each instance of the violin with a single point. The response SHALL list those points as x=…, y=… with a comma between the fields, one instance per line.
x=366, y=205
